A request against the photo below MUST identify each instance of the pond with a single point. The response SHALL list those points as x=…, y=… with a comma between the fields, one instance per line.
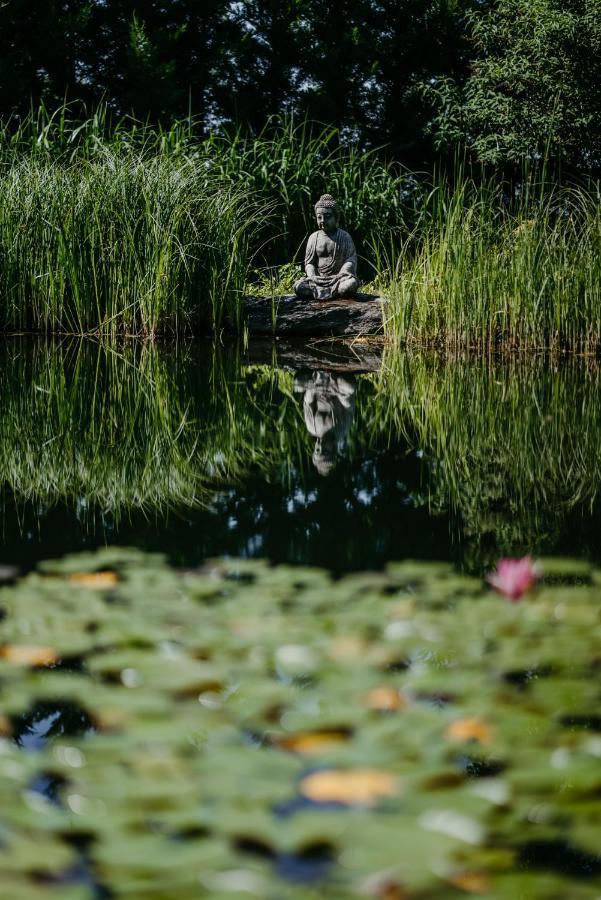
x=181, y=718
x=342, y=456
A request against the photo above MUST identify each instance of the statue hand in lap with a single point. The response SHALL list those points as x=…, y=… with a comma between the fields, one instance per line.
x=330, y=258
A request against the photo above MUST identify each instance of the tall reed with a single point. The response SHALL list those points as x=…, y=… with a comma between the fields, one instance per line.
x=116, y=226
x=489, y=264
x=509, y=448
x=292, y=164
x=120, y=243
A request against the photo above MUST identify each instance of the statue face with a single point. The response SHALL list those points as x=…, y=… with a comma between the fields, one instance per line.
x=327, y=219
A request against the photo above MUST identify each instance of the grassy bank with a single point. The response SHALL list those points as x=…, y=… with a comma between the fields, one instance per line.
x=484, y=269
x=115, y=227
x=120, y=243
x=119, y=228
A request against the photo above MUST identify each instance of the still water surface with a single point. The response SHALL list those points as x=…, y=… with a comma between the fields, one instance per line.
x=316, y=454
x=342, y=457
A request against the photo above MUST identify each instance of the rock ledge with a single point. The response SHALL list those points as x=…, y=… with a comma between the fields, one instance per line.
x=290, y=315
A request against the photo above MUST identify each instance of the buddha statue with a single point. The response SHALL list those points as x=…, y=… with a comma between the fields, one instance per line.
x=330, y=258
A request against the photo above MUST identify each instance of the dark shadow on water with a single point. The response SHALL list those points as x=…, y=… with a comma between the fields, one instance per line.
x=559, y=856
x=48, y=719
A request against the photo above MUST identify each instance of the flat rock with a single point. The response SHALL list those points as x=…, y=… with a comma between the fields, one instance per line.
x=289, y=315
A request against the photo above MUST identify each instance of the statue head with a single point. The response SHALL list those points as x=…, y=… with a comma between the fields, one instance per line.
x=327, y=213
x=324, y=455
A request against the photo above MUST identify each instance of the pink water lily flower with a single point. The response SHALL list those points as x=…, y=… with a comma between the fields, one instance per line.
x=513, y=577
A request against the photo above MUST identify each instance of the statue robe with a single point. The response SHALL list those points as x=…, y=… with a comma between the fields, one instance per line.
x=329, y=280
x=344, y=251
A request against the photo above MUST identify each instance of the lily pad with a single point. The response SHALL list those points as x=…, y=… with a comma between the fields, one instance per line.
x=264, y=731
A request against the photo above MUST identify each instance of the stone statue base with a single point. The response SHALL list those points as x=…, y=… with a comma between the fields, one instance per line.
x=291, y=315
x=339, y=354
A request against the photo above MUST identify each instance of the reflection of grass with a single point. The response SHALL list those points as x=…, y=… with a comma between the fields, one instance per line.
x=106, y=426
x=512, y=444
x=510, y=447
x=136, y=427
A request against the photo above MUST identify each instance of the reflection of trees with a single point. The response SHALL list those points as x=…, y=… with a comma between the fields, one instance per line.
x=48, y=719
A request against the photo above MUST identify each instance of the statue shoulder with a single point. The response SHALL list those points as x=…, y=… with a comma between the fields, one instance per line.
x=345, y=238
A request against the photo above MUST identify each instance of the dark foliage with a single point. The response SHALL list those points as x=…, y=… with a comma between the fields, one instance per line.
x=505, y=78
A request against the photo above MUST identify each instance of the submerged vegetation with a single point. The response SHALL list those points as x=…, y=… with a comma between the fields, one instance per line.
x=125, y=228
x=268, y=732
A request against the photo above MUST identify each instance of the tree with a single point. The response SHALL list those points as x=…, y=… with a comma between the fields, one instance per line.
x=507, y=78
x=42, y=45
x=157, y=60
x=534, y=89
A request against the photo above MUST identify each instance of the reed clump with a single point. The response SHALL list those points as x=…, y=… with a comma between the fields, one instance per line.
x=292, y=164
x=118, y=243
x=118, y=227
x=489, y=264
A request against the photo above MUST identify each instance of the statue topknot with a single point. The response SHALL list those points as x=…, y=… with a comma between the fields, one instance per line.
x=326, y=201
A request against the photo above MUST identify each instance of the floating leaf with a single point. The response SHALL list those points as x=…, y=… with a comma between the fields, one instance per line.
x=346, y=648
x=161, y=721
x=472, y=882
x=310, y=743
x=351, y=787
x=385, y=699
x=470, y=729
x=28, y=655
x=96, y=581
x=454, y=824
x=383, y=886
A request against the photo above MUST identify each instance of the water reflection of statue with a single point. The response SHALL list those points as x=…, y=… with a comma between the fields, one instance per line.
x=328, y=406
